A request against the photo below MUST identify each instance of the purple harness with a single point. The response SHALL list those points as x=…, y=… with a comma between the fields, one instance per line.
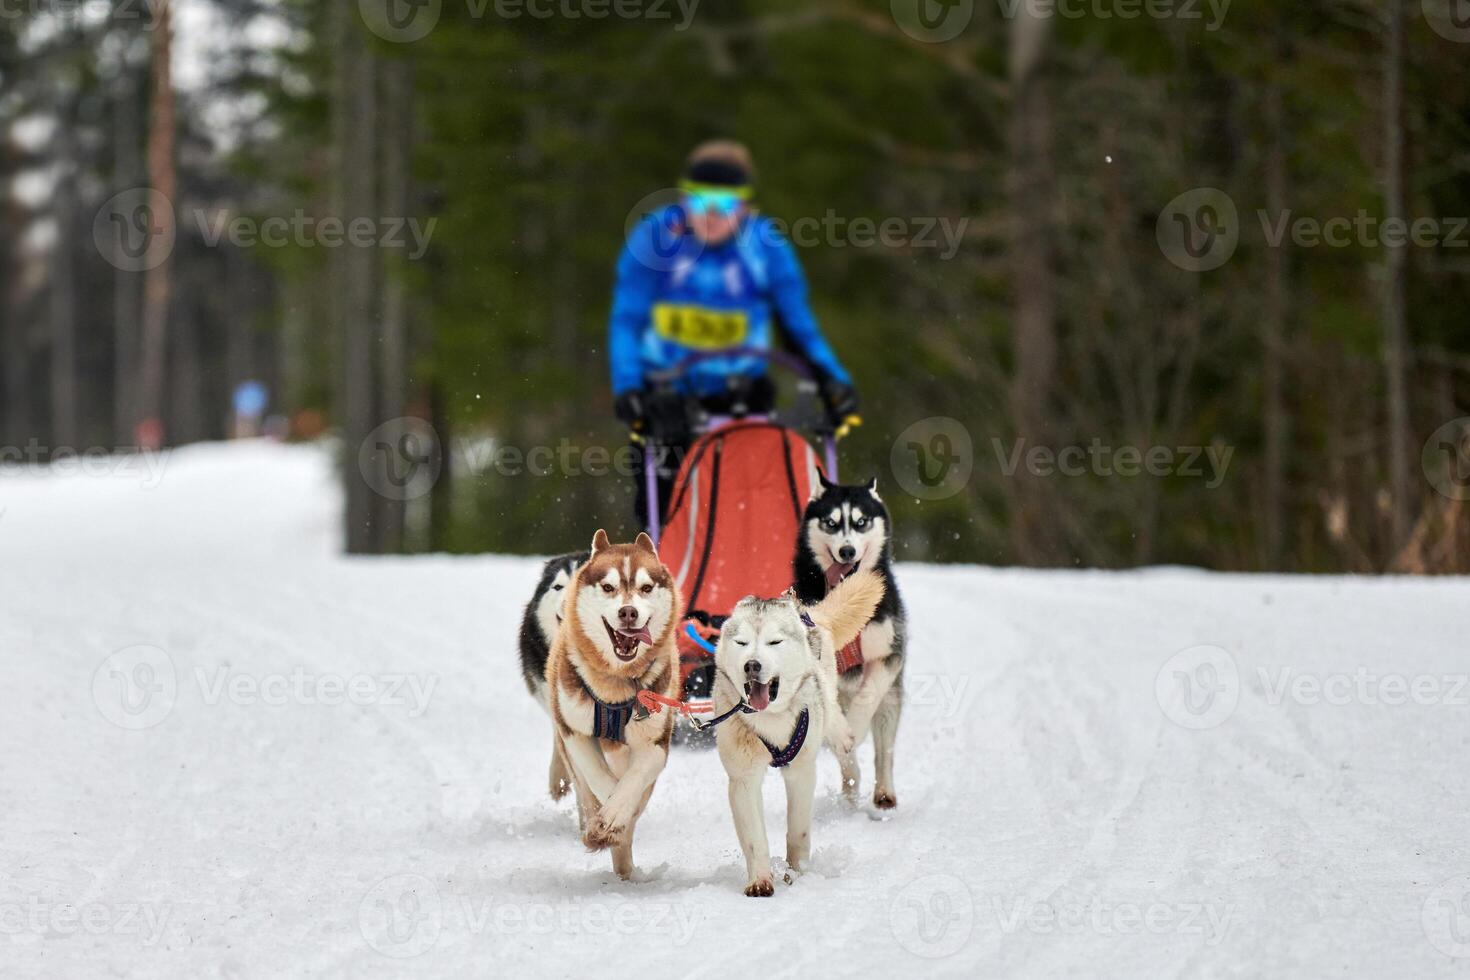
x=781, y=758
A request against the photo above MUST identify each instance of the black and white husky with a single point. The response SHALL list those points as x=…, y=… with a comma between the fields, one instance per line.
x=538, y=626
x=843, y=529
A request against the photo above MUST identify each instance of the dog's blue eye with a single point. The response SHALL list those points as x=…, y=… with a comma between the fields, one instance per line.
x=830, y=524
x=860, y=522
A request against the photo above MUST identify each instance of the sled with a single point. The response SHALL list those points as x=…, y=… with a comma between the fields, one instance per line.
x=734, y=516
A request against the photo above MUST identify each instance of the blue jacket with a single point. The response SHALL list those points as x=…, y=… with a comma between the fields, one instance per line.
x=676, y=296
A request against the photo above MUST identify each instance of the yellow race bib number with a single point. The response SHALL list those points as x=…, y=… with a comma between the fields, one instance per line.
x=700, y=327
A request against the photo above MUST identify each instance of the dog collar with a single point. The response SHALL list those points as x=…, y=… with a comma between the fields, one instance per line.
x=781, y=758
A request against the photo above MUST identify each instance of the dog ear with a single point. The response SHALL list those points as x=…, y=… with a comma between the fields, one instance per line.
x=600, y=541
x=645, y=542
x=820, y=487
x=873, y=488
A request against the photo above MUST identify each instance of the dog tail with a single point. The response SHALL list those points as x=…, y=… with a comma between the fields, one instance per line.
x=850, y=606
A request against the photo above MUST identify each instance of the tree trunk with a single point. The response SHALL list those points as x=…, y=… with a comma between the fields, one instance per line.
x=157, y=289
x=127, y=173
x=397, y=141
x=354, y=279
x=1031, y=185
x=63, y=293
x=1395, y=325
x=1273, y=340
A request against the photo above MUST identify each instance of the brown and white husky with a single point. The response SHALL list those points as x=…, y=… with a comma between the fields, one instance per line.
x=615, y=639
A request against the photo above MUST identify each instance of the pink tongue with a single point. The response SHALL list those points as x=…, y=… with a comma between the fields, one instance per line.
x=836, y=573
x=641, y=635
x=759, y=697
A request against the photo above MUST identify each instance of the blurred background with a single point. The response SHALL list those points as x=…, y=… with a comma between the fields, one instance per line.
x=1232, y=235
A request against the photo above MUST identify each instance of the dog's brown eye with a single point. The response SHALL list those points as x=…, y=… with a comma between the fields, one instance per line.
x=647, y=590
x=607, y=587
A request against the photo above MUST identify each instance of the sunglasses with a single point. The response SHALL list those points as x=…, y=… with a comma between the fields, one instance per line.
x=722, y=201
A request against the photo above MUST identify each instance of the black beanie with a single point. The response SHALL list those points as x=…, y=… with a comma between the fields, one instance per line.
x=717, y=173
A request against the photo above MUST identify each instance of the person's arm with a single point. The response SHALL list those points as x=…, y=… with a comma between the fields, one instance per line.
x=632, y=303
x=789, y=295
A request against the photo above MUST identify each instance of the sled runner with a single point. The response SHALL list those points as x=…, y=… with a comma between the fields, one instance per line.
x=734, y=514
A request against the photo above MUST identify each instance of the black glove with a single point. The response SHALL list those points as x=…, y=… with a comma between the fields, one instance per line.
x=631, y=410
x=841, y=399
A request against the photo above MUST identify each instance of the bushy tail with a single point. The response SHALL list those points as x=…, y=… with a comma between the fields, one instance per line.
x=849, y=606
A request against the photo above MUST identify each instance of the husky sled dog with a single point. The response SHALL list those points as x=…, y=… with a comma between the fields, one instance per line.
x=782, y=656
x=538, y=629
x=846, y=529
x=615, y=640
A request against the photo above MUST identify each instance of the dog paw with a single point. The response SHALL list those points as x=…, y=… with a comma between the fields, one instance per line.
x=601, y=834
x=840, y=739
x=761, y=887
x=884, y=800
x=559, y=788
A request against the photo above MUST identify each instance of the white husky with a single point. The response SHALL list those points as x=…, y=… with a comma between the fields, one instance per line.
x=776, y=669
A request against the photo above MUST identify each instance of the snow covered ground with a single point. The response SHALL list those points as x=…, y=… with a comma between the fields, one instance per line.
x=225, y=751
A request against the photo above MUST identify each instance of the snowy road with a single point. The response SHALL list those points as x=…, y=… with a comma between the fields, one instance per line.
x=226, y=752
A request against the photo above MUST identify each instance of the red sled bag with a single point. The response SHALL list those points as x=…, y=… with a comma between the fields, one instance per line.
x=731, y=530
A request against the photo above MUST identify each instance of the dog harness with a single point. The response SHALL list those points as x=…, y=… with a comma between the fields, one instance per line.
x=781, y=758
x=850, y=657
x=610, y=721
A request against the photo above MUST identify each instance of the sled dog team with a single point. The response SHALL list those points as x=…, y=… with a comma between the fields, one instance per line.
x=821, y=664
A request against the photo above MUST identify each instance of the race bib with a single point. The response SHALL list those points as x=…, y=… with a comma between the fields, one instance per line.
x=701, y=327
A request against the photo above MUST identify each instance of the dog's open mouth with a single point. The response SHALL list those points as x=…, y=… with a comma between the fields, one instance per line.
x=759, y=696
x=838, y=570
x=625, y=642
